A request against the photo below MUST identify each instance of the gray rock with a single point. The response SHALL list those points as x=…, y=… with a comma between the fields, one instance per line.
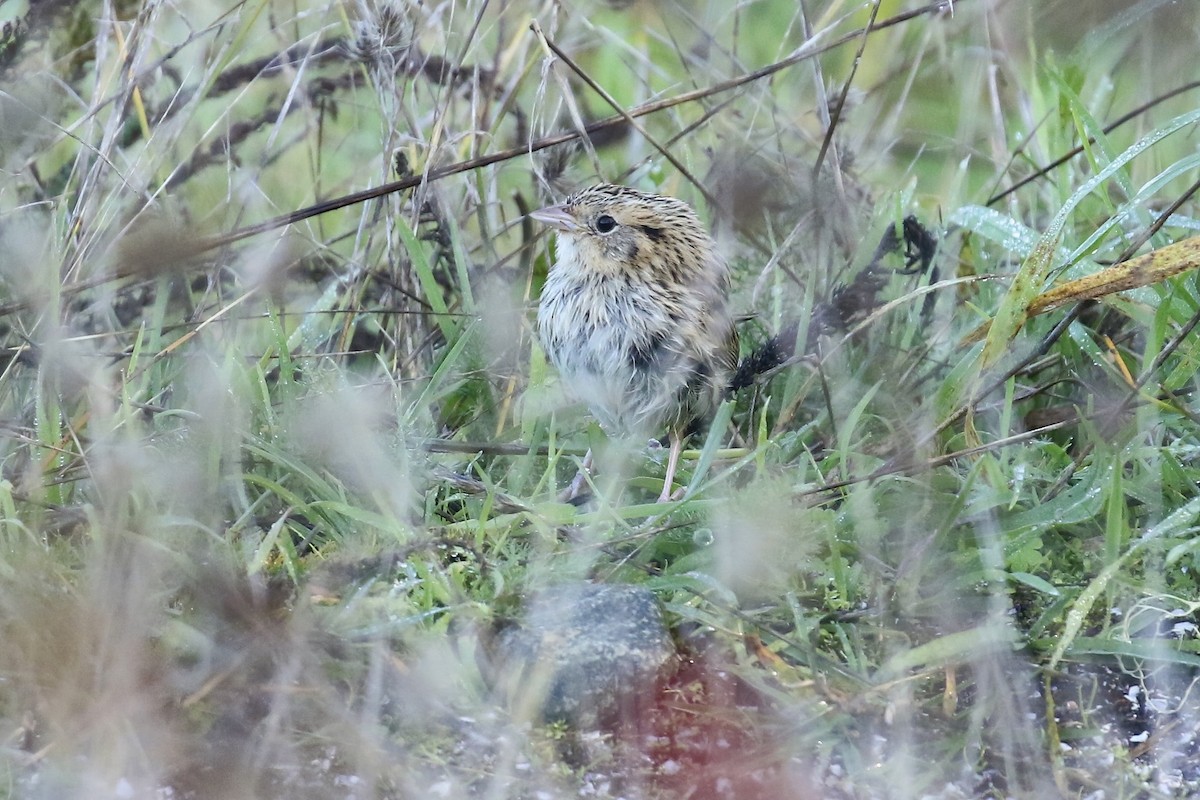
x=584, y=654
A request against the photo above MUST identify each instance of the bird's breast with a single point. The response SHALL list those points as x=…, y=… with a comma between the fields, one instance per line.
x=594, y=324
x=612, y=341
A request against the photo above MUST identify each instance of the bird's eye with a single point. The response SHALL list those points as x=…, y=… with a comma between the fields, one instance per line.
x=605, y=223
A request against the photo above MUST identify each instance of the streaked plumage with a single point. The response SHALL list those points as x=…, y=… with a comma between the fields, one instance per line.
x=634, y=313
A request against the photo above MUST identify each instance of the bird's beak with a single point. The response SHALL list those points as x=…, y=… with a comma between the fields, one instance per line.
x=557, y=217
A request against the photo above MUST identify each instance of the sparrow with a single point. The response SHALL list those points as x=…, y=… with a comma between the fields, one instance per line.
x=635, y=314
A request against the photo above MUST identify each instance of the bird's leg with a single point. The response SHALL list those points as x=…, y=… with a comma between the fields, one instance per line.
x=573, y=491
x=672, y=463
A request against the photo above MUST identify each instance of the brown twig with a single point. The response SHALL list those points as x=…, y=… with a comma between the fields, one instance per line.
x=835, y=117
x=612, y=101
x=801, y=54
x=204, y=244
x=1118, y=122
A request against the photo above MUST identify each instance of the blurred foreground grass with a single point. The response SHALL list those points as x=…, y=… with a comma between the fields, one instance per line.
x=263, y=502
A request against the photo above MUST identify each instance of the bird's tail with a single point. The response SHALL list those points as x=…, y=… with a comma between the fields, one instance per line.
x=847, y=304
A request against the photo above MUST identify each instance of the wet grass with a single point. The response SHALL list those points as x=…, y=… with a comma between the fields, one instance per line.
x=266, y=491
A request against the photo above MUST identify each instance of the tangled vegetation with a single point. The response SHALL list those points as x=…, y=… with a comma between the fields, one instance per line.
x=281, y=455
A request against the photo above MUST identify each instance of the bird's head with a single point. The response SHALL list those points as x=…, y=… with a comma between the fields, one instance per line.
x=612, y=229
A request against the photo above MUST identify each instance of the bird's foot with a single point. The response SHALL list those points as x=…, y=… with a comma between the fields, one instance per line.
x=577, y=493
x=668, y=496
